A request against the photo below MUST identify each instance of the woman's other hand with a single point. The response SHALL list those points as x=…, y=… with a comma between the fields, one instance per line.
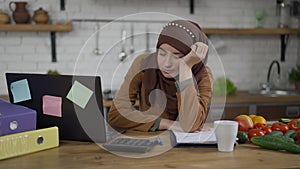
x=197, y=54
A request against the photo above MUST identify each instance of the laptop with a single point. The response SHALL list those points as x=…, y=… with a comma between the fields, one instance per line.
x=73, y=103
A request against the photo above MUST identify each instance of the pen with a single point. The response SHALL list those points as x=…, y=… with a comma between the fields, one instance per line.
x=159, y=141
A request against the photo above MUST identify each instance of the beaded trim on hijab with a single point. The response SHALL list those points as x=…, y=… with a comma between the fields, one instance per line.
x=180, y=26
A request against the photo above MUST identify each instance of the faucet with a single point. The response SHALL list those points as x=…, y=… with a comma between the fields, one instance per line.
x=270, y=68
x=267, y=86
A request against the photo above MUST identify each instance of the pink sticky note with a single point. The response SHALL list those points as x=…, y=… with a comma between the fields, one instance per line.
x=52, y=105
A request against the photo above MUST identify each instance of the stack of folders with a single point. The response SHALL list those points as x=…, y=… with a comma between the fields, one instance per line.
x=28, y=142
x=18, y=134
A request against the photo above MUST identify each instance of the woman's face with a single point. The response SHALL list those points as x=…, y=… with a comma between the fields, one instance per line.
x=168, y=59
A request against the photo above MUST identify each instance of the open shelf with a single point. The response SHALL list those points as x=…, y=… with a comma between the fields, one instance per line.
x=252, y=31
x=283, y=32
x=39, y=28
x=238, y=31
x=36, y=27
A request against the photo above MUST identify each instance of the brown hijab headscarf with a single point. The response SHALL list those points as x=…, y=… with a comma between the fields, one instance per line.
x=180, y=34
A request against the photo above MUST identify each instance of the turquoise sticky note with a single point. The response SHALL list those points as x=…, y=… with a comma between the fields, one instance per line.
x=79, y=94
x=52, y=105
x=20, y=90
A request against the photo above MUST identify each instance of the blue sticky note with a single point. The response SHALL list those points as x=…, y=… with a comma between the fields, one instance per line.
x=20, y=91
x=79, y=94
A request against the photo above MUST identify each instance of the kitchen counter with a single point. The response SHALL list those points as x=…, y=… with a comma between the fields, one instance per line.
x=243, y=97
x=240, y=97
x=78, y=155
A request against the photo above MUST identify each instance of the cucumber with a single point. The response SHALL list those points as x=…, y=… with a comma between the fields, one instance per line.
x=265, y=142
x=290, y=133
x=276, y=133
x=294, y=136
x=242, y=137
x=275, y=143
x=288, y=139
x=284, y=120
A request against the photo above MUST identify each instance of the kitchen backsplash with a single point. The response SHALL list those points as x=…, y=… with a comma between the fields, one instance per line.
x=245, y=58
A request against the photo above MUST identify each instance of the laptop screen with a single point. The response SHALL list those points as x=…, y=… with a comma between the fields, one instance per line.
x=72, y=103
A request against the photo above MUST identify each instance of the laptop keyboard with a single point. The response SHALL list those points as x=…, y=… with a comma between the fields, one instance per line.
x=113, y=133
x=130, y=145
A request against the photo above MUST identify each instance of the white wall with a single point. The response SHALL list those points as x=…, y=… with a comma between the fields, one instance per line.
x=245, y=57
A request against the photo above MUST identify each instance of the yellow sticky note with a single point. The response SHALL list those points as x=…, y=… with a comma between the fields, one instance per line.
x=79, y=94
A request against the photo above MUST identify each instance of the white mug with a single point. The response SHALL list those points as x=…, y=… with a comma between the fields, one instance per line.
x=226, y=132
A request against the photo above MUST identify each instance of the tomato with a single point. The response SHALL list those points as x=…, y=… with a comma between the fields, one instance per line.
x=263, y=127
x=258, y=126
x=267, y=129
x=278, y=126
x=245, y=122
x=294, y=124
x=298, y=135
x=255, y=132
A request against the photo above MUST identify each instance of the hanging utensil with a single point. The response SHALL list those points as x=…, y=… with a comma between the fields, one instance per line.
x=97, y=50
x=132, y=39
x=123, y=55
x=147, y=40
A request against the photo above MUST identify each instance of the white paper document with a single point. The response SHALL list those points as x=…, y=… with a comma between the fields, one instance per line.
x=202, y=137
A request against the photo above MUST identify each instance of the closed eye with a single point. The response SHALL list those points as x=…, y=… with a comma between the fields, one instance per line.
x=162, y=52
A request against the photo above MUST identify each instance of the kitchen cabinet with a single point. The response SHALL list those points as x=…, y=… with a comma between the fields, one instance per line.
x=287, y=110
x=39, y=28
x=269, y=110
x=272, y=108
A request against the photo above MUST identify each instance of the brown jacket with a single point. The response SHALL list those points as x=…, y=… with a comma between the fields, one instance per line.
x=192, y=104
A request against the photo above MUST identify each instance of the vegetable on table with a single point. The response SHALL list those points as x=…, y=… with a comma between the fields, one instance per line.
x=276, y=143
x=284, y=120
x=242, y=137
x=244, y=122
x=255, y=132
x=290, y=134
x=278, y=126
x=266, y=129
x=276, y=133
x=294, y=124
x=259, y=119
x=298, y=135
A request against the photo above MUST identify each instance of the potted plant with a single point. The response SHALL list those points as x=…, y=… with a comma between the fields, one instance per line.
x=294, y=77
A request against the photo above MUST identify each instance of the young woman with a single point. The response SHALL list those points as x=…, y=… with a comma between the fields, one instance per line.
x=173, y=85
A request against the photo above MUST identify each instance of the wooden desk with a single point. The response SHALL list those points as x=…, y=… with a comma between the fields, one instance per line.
x=83, y=155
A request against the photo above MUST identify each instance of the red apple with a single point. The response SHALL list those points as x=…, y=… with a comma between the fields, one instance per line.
x=245, y=122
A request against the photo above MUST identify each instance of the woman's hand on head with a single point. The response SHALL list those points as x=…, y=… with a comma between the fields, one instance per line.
x=197, y=54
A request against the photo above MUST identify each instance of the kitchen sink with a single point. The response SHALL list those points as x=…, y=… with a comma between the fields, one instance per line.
x=275, y=93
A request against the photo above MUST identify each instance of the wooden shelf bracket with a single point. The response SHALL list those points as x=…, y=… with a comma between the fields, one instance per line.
x=62, y=5
x=192, y=6
x=284, y=40
x=53, y=46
